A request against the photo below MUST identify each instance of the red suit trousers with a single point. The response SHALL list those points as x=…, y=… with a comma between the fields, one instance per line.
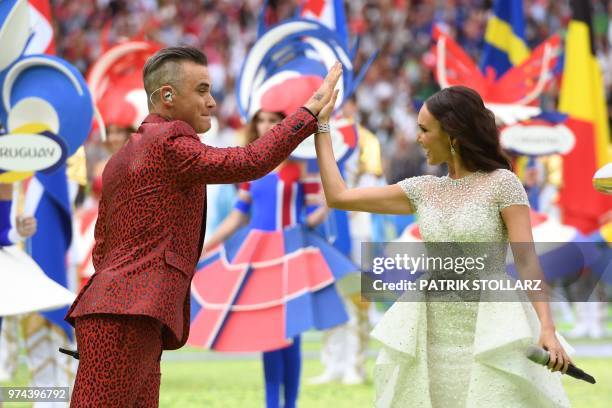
x=119, y=361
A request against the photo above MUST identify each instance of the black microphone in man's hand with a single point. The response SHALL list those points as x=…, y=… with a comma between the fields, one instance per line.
x=541, y=356
x=71, y=353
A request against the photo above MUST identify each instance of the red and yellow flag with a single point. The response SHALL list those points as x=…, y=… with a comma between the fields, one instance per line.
x=582, y=98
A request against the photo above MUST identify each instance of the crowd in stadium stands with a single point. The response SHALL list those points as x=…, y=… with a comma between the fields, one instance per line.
x=399, y=80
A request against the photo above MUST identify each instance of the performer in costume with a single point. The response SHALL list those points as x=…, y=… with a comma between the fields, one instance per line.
x=47, y=97
x=25, y=226
x=293, y=55
x=150, y=227
x=24, y=287
x=30, y=291
x=273, y=206
x=445, y=353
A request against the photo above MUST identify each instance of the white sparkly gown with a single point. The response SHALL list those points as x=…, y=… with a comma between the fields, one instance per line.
x=462, y=354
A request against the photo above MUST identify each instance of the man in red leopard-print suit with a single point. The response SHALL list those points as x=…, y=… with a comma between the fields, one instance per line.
x=151, y=224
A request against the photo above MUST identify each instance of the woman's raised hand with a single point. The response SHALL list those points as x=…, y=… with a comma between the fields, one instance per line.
x=328, y=109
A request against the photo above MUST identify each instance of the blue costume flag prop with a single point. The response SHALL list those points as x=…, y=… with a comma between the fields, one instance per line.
x=39, y=89
x=296, y=54
x=292, y=49
x=40, y=94
x=54, y=217
x=53, y=86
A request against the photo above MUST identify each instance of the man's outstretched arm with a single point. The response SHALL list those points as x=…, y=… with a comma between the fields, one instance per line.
x=197, y=163
x=194, y=162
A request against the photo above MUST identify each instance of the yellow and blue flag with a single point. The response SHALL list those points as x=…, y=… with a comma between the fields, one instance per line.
x=505, y=44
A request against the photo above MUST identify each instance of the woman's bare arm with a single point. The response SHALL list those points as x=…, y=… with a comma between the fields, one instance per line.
x=389, y=199
x=518, y=223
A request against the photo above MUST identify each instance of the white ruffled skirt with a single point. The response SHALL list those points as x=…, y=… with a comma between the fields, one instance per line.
x=462, y=354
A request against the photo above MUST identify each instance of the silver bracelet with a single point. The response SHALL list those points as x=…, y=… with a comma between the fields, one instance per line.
x=323, y=127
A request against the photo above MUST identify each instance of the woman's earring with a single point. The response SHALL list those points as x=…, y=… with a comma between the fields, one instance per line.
x=452, y=150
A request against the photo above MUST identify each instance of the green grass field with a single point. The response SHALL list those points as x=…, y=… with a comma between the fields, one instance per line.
x=239, y=383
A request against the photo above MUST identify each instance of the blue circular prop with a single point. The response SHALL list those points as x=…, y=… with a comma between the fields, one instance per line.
x=61, y=85
x=286, y=47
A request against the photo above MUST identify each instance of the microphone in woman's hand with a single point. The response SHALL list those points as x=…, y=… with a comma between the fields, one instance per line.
x=541, y=356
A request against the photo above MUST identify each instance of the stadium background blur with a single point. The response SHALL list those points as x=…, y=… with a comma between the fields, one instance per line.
x=397, y=83
x=399, y=80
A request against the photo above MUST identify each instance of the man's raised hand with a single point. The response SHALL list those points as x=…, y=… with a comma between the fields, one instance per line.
x=325, y=92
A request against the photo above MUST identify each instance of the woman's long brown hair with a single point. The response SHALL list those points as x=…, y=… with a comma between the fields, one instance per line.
x=463, y=115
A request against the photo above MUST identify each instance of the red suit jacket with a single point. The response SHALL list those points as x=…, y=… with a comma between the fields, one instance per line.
x=152, y=215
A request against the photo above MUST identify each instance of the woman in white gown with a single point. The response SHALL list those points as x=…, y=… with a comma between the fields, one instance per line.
x=458, y=354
